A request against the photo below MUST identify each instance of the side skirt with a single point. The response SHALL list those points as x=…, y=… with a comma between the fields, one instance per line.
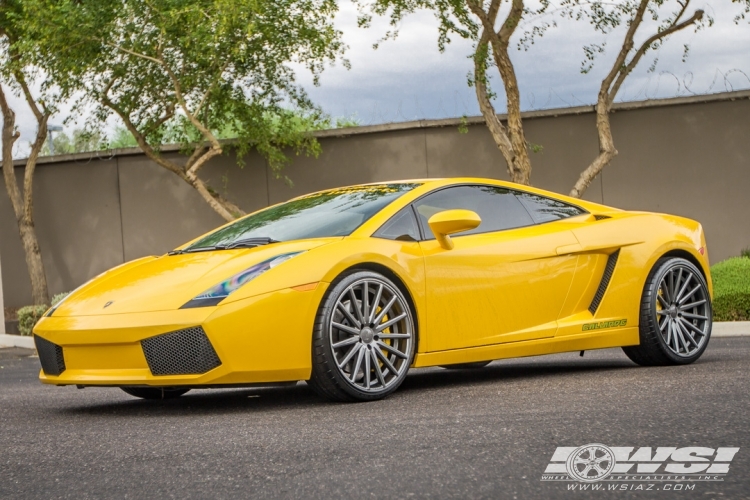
x=618, y=337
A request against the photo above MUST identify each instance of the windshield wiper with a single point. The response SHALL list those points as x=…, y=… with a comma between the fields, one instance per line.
x=243, y=243
x=249, y=243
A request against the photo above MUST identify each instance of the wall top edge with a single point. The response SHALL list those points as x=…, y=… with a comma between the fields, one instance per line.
x=415, y=124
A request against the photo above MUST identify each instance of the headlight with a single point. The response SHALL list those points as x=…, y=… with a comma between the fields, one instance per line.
x=217, y=293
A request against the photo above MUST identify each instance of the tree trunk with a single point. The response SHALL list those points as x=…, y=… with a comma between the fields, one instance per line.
x=213, y=201
x=607, y=149
x=497, y=130
x=23, y=211
x=521, y=164
x=39, y=290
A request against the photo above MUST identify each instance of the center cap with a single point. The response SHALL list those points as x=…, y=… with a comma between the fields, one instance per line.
x=367, y=334
x=673, y=311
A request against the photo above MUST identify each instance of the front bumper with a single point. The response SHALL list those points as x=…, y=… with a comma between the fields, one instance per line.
x=266, y=338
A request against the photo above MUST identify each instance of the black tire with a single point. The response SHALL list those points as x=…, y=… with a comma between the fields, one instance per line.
x=335, y=378
x=653, y=349
x=154, y=392
x=467, y=366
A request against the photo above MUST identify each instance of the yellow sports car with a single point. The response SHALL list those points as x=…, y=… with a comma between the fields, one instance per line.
x=349, y=288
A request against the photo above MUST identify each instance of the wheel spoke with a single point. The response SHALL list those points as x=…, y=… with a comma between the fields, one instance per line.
x=367, y=368
x=348, y=315
x=384, y=310
x=665, y=291
x=374, y=307
x=355, y=305
x=390, y=322
x=663, y=302
x=344, y=343
x=687, y=334
x=386, y=362
x=394, y=335
x=354, y=350
x=391, y=349
x=664, y=323
x=692, y=304
x=678, y=332
x=365, y=303
x=675, y=293
x=691, y=326
x=357, y=364
x=378, y=371
x=697, y=287
x=684, y=287
x=694, y=316
x=669, y=333
x=345, y=328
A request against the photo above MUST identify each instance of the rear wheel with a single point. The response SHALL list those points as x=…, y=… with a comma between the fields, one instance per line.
x=466, y=366
x=364, y=339
x=154, y=392
x=676, y=316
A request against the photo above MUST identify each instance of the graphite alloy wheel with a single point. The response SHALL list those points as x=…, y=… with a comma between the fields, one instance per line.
x=364, y=339
x=676, y=316
x=467, y=366
x=154, y=392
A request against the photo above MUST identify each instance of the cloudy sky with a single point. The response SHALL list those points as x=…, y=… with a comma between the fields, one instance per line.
x=409, y=78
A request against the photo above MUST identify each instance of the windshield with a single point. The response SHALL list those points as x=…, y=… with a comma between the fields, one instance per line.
x=337, y=212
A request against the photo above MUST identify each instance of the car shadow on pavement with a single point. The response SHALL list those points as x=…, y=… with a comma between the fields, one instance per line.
x=225, y=401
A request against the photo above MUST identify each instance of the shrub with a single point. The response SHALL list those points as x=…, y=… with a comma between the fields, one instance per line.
x=732, y=289
x=28, y=316
x=57, y=298
x=745, y=252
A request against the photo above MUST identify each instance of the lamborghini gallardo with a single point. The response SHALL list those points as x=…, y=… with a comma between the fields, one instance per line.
x=349, y=288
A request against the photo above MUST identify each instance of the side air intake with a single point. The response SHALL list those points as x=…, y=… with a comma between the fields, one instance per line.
x=601, y=217
x=184, y=352
x=604, y=283
x=50, y=355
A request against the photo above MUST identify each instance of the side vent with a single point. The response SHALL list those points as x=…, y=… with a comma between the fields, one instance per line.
x=601, y=217
x=604, y=283
x=50, y=355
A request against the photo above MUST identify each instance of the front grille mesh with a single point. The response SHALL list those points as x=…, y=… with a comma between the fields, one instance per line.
x=609, y=269
x=50, y=355
x=184, y=352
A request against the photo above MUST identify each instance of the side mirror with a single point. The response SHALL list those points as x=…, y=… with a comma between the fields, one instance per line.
x=451, y=222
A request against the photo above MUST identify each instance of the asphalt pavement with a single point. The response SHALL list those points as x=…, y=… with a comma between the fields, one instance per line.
x=487, y=433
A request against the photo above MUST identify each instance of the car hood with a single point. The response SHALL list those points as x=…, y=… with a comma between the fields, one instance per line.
x=168, y=282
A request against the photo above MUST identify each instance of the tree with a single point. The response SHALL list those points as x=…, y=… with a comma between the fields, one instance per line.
x=81, y=141
x=14, y=77
x=192, y=69
x=604, y=19
x=482, y=22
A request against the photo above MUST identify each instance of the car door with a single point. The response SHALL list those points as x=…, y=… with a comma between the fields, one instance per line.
x=503, y=281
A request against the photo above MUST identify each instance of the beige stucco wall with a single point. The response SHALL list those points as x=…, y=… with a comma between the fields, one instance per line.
x=689, y=157
x=2, y=302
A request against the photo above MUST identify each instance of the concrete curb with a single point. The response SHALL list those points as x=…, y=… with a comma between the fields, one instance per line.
x=731, y=329
x=16, y=341
x=720, y=329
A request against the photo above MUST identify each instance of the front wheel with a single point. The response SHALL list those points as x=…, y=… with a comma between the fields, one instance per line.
x=154, y=392
x=364, y=339
x=676, y=316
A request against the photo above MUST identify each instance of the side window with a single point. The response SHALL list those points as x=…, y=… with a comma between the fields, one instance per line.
x=402, y=226
x=546, y=209
x=497, y=207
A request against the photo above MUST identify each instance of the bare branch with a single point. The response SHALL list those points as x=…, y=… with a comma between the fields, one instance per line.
x=141, y=139
x=697, y=16
x=627, y=46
